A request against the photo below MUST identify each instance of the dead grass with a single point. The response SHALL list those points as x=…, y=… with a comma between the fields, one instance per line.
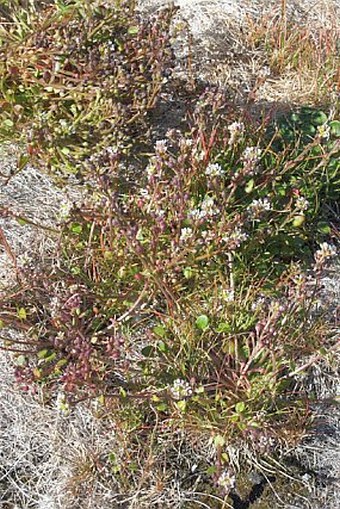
x=276, y=51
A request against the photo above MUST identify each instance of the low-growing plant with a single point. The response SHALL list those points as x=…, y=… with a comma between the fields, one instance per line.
x=185, y=297
x=180, y=302
x=78, y=78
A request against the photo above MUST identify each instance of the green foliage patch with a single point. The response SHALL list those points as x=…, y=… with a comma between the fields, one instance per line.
x=79, y=78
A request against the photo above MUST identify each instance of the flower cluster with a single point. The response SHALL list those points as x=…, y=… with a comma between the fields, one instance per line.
x=325, y=252
x=324, y=131
x=251, y=155
x=161, y=147
x=180, y=389
x=235, y=238
x=62, y=404
x=257, y=207
x=236, y=129
x=206, y=209
x=226, y=480
x=302, y=203
x=186, y=234
x=214, y=170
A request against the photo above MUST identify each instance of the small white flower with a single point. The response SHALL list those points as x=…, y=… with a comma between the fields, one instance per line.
x=228, y=295
x=151, y=168
x=236, y=130
x=180, y=389
x=257, y=207
x=251, y=155
x=214, y=170
x=235, y=238
x=186, y=233
x=111, y=151
x=61, y=404
x=302, y=203
x=227, y=480
x=64, y=210
x=206, y=209
x=323, y=131
x=161, y=147
x=258, y=303
x=144, y=193
x=186, y=143
x=325, y=252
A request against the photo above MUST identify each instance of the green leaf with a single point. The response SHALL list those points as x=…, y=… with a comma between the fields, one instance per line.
x=133, y=30
x=162, y=347
x=219, y=441
x=108, y=255
x=240, y=407
x=21, y=221
x=298, y=220
x=139, y=235
x=225, y=457
x=249, y=186
x=335, y=128
x=76, y=228
x=21, y=360
x=159, y=330
x=188, y=272
x=122, y=392
x=22, y=313
x=224, y=327
x=319, y=118
x=8, y=123
x=162, y=407
x=323, y=227
x=42, y=354
x=112, y=458
x=181, y=405
x=202, y=322
x=211, y=470
x=147, y=351
x=23, y=160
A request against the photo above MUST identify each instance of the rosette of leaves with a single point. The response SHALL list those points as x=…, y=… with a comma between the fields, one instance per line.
x=300, y=127
x=305, y=143
x=77, y=77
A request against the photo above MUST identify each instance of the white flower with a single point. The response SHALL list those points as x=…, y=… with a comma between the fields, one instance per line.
x=151, y=168
x=236, y=130
x=235, y=238
x=251, y=155
x=161, y=147
x=186, y=143
x=325, y=252
x=61, y=404
x=323, y=131
x=64, y=210
x=144, y=193
x=258, y=303
x=206, y=209
x=257, y=207
x=186, y=233
x=302, y=203
x=227, y=480
x=214, y=170
x=180, y=389
x=228, y=295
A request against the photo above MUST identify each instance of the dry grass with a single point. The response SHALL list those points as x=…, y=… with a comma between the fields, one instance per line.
x=276, y=51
